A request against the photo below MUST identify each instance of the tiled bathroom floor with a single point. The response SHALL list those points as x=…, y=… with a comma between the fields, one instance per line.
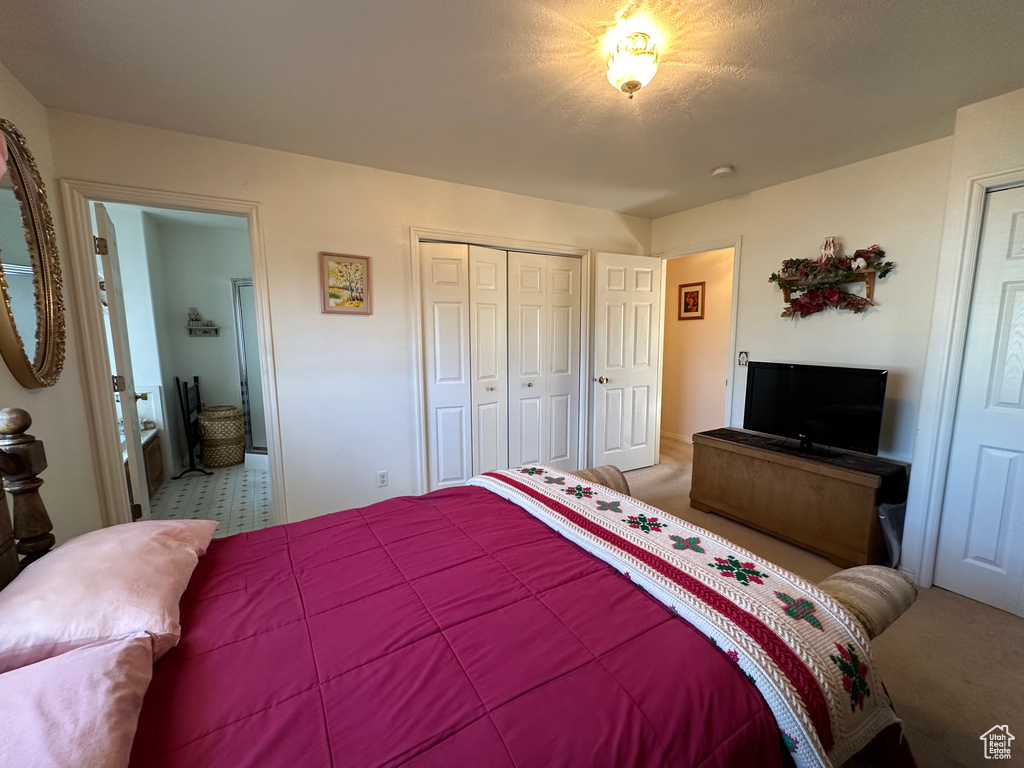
x=239, y=499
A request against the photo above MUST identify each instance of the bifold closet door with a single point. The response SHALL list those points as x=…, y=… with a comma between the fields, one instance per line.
x=488, y=357
x=466, y=360
x=544, y=359
x=444, y=281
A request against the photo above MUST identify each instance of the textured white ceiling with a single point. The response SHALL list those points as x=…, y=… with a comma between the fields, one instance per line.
x=511, y=94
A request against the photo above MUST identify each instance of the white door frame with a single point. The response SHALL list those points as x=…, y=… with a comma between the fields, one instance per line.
x=942, y=380
x=83, y=290
x=422, y=234
x=736, y=244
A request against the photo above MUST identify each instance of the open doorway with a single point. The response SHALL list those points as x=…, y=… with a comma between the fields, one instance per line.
x=696, y=364
x=698, y=345
x=178, y=275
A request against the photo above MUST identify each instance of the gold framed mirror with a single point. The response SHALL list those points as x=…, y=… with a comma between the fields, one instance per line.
x=32, y=318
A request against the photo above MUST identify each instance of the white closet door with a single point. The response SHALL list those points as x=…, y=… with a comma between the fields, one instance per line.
x=526, y=305
x=544, y=355
x=627, y=346
x=444, y=277
x=562, y=359
x=488, y=333
x=980, y=553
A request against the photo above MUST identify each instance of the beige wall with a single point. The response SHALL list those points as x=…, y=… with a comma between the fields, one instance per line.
x=69, y=489
x=895, y=200
x=197, y=264
x=347, y=385
x=696, y=353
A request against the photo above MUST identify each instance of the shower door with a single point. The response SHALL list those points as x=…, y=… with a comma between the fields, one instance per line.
x=249, y=365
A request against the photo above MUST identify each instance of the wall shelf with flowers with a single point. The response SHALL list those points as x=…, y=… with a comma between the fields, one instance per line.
x=811, y=286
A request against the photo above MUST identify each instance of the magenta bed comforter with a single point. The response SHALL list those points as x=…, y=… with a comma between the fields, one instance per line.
x=451, y=629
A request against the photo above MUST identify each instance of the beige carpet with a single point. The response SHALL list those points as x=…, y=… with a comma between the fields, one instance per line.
x=953, y=667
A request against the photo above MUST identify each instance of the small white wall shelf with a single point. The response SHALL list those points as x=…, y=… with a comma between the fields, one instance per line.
x=203, y=330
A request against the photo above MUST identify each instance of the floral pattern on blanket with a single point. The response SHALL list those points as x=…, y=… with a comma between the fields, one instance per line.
x=799, y=608
x=693, y=542
x=642, y=522
x=745, y=573
x=810, y=661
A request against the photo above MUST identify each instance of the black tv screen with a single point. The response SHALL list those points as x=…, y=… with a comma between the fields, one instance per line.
x=831, y=406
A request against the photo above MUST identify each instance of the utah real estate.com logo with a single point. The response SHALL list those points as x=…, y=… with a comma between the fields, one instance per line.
x=997, y=742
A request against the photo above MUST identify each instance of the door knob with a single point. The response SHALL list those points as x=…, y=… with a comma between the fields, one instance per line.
x=490, y=389
x=602, y=380
x=529, y=383
x=142, y=396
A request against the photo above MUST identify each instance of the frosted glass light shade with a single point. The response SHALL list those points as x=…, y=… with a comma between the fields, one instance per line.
x=632, y=62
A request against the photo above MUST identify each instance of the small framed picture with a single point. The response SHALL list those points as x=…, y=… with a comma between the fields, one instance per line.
x=691, y=301
x=345, y=284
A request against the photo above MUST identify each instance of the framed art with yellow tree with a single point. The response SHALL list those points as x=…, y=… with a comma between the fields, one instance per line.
x=345, y=284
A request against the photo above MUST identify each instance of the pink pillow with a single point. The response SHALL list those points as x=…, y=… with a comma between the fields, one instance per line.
x=80, y=708
x=105, y=584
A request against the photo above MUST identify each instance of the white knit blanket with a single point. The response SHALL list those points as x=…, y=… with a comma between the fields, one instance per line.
x=807, y=657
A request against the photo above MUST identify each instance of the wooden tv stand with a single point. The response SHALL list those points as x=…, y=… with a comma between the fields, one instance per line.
x=821, y=504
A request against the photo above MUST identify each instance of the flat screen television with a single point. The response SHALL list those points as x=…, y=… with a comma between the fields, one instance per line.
x=816, y=404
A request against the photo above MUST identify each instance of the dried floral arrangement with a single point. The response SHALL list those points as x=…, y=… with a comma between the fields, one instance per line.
x=815, y=284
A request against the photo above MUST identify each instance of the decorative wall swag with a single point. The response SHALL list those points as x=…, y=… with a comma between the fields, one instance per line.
x=812, y=286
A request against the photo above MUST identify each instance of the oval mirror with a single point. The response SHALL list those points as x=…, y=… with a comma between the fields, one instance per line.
x=32, y=319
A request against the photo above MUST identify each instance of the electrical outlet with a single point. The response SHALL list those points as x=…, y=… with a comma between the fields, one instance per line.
x=382, y=478
x=744, y=357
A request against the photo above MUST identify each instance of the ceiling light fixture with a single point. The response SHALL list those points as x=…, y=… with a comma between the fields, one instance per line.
x=723, y=171
x=632, y=60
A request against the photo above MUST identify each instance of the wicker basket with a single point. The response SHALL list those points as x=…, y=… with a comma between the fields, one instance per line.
x=223, y=433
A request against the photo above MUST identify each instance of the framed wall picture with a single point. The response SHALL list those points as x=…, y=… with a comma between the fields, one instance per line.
x=345, y=284
x=691, y=301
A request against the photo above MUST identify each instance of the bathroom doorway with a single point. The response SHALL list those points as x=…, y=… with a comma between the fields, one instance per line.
x=183, y=314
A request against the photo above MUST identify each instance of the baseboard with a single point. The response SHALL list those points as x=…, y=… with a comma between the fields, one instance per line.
x=677, y=438
x=257, y=461
x=910, y=573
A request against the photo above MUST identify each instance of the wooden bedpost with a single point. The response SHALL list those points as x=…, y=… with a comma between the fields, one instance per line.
x=21, y=460
x=8, y=554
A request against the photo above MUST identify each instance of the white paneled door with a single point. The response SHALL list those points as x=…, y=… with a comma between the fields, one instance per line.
x=544, y=359
x=444, y=277
x=117, y=330
x=501, y=360
x=980, y=542
x=488, y=353
x=627, y=346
